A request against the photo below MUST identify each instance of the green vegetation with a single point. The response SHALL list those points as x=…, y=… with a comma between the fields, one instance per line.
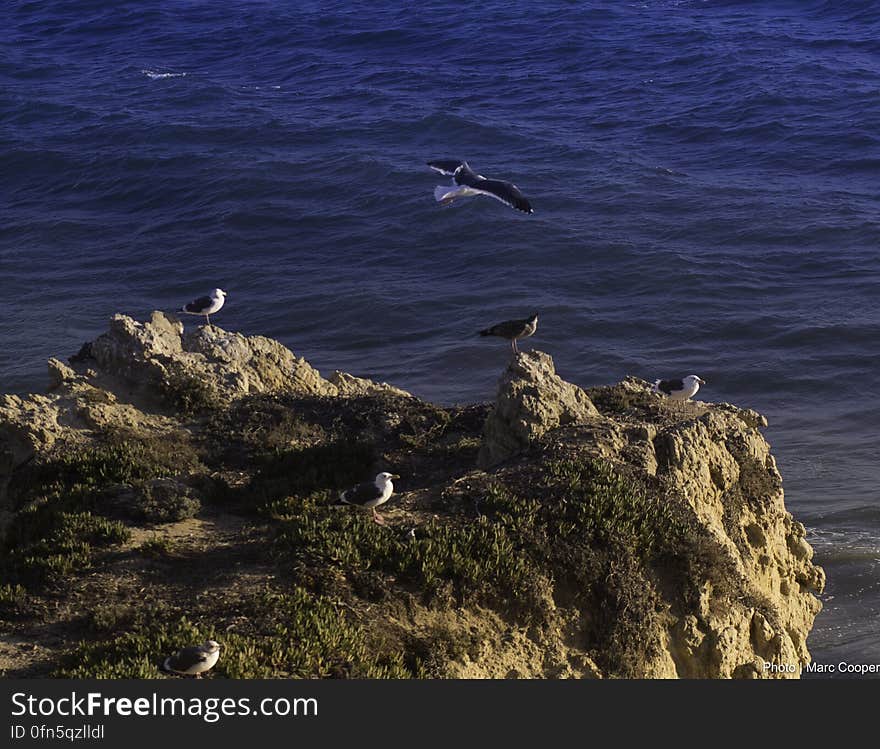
x=13, y=601
x=600, y=504
x=188, y=394
x=165, y=503
x=579, y=530
x=541, y=535
x=260, y=425
x=294, y=635
x=119, y=458
x=429, y=656
x=303, y=471
x=63, y=504
x=157, y=547
x=104, y=618
x=467, y=562
x=45, y=546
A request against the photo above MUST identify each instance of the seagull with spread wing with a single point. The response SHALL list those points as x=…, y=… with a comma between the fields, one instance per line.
x=466, y=182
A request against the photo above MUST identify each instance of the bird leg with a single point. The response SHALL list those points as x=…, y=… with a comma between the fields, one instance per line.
x=378, y=518
x=207, y=321
x=513, y=346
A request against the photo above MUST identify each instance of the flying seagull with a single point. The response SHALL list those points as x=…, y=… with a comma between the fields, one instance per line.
x=679, y=390
x=513, y=330
x=370, y=494
x=194, y=660
x=466, y=182
x=206, y=305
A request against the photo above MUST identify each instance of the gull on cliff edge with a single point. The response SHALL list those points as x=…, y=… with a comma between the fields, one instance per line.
x=467, y=183
x=194, y=660
x=679, y=390
x=370, y=494
x=206, y=305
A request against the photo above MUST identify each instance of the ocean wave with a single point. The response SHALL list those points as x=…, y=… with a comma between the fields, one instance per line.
x=156, y=75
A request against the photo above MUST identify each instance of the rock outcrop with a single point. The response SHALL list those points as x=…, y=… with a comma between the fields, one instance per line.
x=532, y=399
x=715, y=459
x=139, y=376
x=746, y=597
x=133, y=375
x=158, y=355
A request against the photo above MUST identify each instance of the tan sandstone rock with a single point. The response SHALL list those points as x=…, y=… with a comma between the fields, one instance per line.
x=129, y=375
x=709, y=458
x=532, y=399
x=713, y=457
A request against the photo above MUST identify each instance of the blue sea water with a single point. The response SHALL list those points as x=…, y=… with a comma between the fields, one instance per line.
x=704, y=177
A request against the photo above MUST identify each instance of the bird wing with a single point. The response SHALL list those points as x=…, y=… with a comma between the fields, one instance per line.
x=506, y=192
x=361, y=494
x=669, y=386
x=508, y=328
x=445, y=166
x=187, y=658
x=203, y=302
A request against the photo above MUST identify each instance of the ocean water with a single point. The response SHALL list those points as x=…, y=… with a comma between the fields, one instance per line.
x=704, y=177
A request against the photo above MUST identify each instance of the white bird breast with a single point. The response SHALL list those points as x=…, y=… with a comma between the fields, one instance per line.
x=451, y=192
x=387, y=491
x=688, y=392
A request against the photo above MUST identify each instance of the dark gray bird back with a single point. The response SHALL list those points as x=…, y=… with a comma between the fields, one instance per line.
x=508, y=328
x=362, y=493
x=203, y=302
x=187, y=658
x=670, y=386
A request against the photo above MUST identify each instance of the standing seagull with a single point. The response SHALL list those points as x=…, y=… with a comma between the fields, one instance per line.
x=679, y=390
x=466, y=182
x=370, y=494
x=194, y=660
x=513, y=330
x=206, y=305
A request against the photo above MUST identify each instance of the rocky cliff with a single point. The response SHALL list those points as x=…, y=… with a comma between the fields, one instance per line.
x=172, y=486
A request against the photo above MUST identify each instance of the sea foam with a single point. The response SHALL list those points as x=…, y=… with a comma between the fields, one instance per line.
x=154, y=74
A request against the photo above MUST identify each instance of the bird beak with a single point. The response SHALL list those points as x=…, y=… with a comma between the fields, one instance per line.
x=702, y=381
x=395, y=476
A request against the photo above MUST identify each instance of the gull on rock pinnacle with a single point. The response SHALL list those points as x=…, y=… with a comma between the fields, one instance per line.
x=206, y=305
x=513, y=330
